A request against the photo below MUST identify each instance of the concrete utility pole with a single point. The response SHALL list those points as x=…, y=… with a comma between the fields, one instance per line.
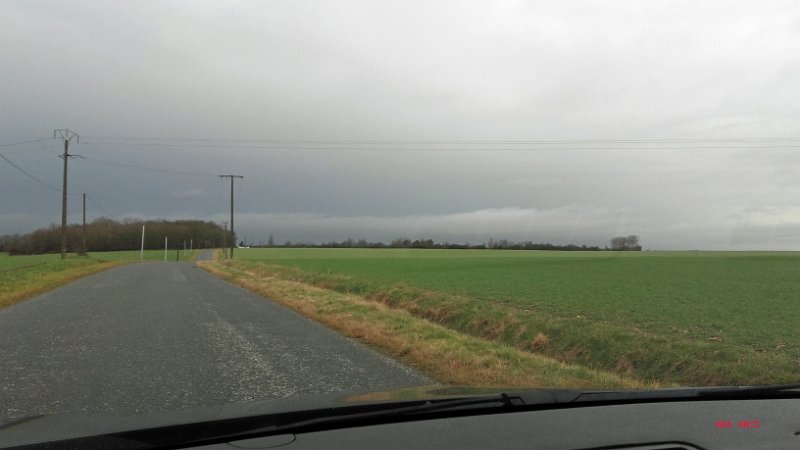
x=233, y=235
x=66, y=135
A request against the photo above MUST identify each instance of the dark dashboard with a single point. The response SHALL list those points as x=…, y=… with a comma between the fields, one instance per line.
x=720, y=424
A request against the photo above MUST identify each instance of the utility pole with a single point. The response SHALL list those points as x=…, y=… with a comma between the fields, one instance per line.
x=233, y=234
x=83, y=247
x=66, y=135
x=225, y=240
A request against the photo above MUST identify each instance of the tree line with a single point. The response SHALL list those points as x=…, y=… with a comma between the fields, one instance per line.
x=105, y=234
x=627, y=243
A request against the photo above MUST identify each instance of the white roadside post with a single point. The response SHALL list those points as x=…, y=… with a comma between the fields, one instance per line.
x=165, y=249
x=141, y=252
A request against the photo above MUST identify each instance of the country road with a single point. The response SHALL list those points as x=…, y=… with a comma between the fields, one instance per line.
x=167, y=336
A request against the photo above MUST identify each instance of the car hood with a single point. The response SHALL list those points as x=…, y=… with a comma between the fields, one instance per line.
x=281, y=418
x=45, y=428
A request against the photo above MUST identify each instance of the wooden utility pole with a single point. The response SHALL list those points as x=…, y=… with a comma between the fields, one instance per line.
x=233, y=234
x=225, y=240
x=83, y=229
x=66, y=135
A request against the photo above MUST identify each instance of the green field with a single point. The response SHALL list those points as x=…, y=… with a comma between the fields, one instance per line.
x=24, y=276
x=669, y=316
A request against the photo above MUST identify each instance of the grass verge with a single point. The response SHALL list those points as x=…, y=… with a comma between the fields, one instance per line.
x=22, y=277
x=442, y=353
x=605, y=346
x=20, y=283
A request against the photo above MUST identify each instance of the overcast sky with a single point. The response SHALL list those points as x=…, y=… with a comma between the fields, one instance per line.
x=459, y=120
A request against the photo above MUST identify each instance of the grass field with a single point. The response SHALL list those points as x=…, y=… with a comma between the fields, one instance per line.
x=445, y=355
x=680, y=317
x=22, y=277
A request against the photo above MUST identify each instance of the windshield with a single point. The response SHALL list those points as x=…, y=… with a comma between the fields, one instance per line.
x=225, y=203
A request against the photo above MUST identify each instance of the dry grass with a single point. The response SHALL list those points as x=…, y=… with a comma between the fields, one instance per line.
x=540, y=341
x=442, y=353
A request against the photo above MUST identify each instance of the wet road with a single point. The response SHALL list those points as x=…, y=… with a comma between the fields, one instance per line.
x=167, y=336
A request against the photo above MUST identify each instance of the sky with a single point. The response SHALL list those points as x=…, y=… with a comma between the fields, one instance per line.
x=460, y=121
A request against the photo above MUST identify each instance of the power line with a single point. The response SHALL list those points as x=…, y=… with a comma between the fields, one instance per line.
x=88, y=197
x=98, y=206
x=49, y=146
x=29, y=141
x=433, y=141
x=151, y=169
x=48, y=185
x=459, y=149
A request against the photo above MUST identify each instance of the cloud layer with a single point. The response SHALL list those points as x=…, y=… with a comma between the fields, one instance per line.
x=438, y=90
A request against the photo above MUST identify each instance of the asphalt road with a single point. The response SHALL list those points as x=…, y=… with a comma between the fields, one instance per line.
x=167, y=336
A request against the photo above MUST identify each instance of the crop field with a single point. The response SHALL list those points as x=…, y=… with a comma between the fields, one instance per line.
x=673, y=317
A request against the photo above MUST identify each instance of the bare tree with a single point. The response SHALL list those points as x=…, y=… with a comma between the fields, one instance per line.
x=629, y=243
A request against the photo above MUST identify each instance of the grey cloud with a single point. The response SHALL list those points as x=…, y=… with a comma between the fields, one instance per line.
x=441, y=71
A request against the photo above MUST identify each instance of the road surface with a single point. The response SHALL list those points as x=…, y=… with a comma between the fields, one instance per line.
x=167, y=336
